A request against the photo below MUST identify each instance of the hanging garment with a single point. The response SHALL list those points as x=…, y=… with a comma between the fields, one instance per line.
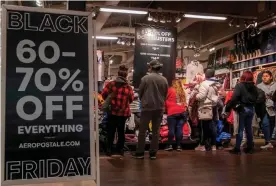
x=130, y=123
x=193, y=69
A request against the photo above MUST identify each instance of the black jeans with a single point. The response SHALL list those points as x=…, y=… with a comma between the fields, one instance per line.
x=156, y=117
x=116, y=123
x=175, y=123
x=209, y=131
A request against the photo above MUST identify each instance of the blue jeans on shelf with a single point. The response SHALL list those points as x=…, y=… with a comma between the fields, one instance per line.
x=268, y=124
x=245, y=122
x=175, y=124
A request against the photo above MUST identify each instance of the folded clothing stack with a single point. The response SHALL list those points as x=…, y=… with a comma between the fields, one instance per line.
x=135, y=106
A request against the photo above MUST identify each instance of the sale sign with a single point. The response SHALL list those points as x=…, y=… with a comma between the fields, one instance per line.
x=47, y=95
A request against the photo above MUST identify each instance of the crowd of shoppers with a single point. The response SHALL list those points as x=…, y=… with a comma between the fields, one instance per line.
x=156, y=97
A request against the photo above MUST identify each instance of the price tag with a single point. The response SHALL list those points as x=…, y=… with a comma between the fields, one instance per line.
x=47, y=94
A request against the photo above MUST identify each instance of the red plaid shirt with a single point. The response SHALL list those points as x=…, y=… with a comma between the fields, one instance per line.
x=120, y=102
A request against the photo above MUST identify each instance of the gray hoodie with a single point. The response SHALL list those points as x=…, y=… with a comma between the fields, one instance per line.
x=269, y=91
x=153, y=92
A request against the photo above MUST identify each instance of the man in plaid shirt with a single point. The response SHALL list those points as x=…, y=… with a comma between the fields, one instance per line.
x=120, y=110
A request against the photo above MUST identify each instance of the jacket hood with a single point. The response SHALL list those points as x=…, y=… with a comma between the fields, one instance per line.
x=215, y=83
x=171, y=96
x=121, y=80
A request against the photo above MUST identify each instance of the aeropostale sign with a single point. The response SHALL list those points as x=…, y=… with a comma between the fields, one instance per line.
x=47, y=98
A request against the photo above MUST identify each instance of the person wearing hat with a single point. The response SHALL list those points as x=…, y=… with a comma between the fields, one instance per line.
x=152, y=93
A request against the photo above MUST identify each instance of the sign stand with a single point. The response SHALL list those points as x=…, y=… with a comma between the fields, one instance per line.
x=48, y=113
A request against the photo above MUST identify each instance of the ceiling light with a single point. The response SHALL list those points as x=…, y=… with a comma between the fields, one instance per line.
x=258, y=31
x=155, y=19
x=185, y=46
x=246, y=24
x=177, y=19
x=123, y=43
x=106, y=37
x=205, y=17
x=169, y=20
x=211, y=49
x=162, y=20
x=231, y=23
x=238, y=23
x=123, y=11
x=132, y=70
x=255, y=24
x=253, y=33
x=128, y=43
x=179, y=46
x=110, y=61
x=133, y=43
x=119, y=41
x=194, y=46
x=39, y=3
x=150, y=18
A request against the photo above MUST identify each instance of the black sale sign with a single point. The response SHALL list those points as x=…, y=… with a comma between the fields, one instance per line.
x=47, y=94
x=154, y=44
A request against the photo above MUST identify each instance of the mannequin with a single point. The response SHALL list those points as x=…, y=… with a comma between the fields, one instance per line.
x=193, y=69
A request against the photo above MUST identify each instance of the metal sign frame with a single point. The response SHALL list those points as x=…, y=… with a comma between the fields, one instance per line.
x=93, y=103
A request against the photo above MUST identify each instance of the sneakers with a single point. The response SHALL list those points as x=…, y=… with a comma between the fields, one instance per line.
x=214, y=148
x=235, y=151
x=138, y=155
x=248, y=150
x=179, y=148
x=199, y=148
x=152, y=155
x=169, y=148
x=267, y=146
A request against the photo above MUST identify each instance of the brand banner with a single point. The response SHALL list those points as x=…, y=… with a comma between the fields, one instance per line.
x=154, y=43
x=47, y=111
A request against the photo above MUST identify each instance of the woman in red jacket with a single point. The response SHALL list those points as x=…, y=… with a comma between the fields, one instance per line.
x=177, y=116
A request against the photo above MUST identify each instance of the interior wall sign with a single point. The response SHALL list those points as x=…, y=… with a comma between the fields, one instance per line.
x=46, y=88
x=154, y=43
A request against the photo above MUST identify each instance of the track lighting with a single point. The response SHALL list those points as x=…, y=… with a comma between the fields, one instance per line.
x=185, y=45
x=231, y=23
x=238, y=23
x=133, y=43
x=246, y=24
x=119, y=41
x=155, y=19
x=110, y=61
x=150, y=18
x=162, y=20
x=177, y=19
x=258, y=31
x=123, y=43
x=169, y=20
x=211, y=49
x=255, y=24
x=179, y=46
x=128, y=43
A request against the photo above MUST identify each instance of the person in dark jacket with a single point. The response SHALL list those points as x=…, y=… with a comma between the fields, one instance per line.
x=122, y=96
x=152, y=93
x=243, y=101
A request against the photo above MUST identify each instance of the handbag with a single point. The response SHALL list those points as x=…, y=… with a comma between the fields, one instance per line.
x=205, y=113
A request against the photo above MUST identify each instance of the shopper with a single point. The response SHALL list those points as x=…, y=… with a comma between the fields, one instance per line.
x=243, y=101
x=152, y=93
x=121, y=95
x=268, y=121
x=176, y=116
x=208, y=98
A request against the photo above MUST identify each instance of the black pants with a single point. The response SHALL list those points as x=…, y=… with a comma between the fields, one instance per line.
x=209, y=132
x=116, y=123
x=156, y=117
